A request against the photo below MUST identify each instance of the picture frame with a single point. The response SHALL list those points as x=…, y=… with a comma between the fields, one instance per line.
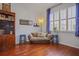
x=25, y=22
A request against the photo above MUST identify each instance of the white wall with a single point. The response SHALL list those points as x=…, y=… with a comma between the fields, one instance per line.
x=45, y=21
x=23, y=13
x=67, y=38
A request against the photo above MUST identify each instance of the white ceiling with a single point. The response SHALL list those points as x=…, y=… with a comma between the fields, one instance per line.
x=37, y=7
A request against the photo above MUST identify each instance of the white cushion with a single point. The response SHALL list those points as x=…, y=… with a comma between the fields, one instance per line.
x=41, y=34
x=39, y=38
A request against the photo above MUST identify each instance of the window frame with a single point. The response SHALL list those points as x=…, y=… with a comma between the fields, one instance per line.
x=67, y=18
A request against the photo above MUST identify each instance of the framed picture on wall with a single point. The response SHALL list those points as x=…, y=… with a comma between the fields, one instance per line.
x=25, y=22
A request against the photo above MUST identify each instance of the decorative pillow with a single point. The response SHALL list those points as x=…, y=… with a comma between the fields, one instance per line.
x=41, y=34
x=44, y=34
x=34, y=34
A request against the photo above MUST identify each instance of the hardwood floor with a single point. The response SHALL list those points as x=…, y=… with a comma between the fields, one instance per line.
x=41, y=50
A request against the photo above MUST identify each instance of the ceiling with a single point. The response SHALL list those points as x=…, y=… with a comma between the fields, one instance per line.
x=37, y=7
x=34, y=8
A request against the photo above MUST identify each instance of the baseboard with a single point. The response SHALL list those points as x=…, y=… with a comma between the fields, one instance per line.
x=69, y=45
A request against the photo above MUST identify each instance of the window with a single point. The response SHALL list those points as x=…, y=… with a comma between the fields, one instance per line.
x=73, y=24
x=56, y=25
x=56, y=20
x=71, y=18
x=63, y=19
x=51, y=26
x=56, y=15
x=73, y=11
x=63, y=25
x=63, y=14
x=69, y=24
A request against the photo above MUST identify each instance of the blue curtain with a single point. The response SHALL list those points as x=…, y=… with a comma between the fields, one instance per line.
x=48, y=20
x=77, y=19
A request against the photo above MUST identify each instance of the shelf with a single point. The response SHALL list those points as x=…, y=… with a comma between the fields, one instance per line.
x=7, y=13
x=7, y=26
x=6, y=20
x=7, y=29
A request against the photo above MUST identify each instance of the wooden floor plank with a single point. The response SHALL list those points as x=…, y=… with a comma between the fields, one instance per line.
x=41, y=50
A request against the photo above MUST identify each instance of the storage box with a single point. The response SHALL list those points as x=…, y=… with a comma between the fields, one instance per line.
x=6, y=7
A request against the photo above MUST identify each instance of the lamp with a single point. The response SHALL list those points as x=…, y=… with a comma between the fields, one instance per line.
x=41, y=22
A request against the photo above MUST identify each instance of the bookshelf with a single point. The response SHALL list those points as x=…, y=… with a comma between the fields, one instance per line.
x=7, y=30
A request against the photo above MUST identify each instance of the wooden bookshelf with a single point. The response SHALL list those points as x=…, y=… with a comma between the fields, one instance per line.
x=7, y=30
